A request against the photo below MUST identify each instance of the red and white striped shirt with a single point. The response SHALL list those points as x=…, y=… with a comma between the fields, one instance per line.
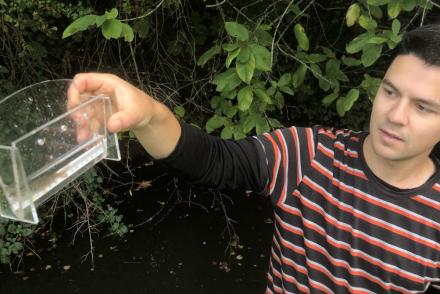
x=339, y=228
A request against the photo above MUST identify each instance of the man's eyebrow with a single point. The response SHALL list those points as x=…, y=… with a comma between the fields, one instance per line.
x=427, y=101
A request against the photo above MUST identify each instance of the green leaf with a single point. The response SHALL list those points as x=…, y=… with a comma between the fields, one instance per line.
x=237, y=30
x=227, y=81
x=301, y=37
x=328, y=52
x=112, y=14
x=227, y=132
x=263, y=37
x=330, y=98
x=299, y=76
x=262, y=125
x=358, y=43
x=395, y=26
x=214, y=50
x=216, y=101
x=375, y=11
x=367, y=23
x=245, y=54
x=248, y=123
x=262, y=57
x=352, y=15
x=142, y=27
x=228, y=109
x=179, y=111
x=350, y=98
x=371, y=85
x=287, y=90
x=274, y=123
x=230, y=47
x=214, y=122
x=285, y=80
x=377, y=2
x=246, y=70
x=394, y=8
x=231, y=56
x=80, y=24
x=264, y=97
x=409, y=5
x=349, y=61
x=3, y=69
x=316, y=58
x=370, y=54
x=340, y=107
x=127, y=33
x=111, y=28
x=377, y=40
x=245, y=97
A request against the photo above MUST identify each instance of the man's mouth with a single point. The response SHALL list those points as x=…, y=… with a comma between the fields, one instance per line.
x=389, y=136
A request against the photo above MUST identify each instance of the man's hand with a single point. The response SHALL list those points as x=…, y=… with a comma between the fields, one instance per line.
x=152, y=122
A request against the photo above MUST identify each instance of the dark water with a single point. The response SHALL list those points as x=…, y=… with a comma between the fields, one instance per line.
x=184, y=253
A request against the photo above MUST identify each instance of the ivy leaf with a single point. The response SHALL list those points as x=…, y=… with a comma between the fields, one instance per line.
x=246, y=70
x=227, y=132
x=264, y=97
x=231, y=56
x=214, y=50
x=237, y=30
x=214, y=122
x=330, y=98
x=227, y=81
x=262, y=57
x=352, y=15
x=245, y=97
x=349, y=61
x=299, y=76
x=377, y=2
x=367, y=23
x=370, y=54
x=262, y=125
x=285, y=80
x=248, y=123
x=350, y=99
x=301, y=37
x=179, y=111
x=245, y=54
x=287, y=90
x=395, y=26
x=358, y=43
x=230, y=47
x=394, y=8
x=80, y=24
x=142, y=27
x=111, y=28
x=127, y=33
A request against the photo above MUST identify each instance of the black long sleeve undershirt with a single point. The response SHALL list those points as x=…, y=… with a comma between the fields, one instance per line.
x=221, y=164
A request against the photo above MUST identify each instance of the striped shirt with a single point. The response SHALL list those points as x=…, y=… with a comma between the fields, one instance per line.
x=339, y=228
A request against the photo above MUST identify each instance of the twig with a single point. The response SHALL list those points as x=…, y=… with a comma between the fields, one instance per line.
x=145, y=15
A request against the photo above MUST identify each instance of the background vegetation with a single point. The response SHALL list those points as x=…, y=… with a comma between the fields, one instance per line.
x=232, y=67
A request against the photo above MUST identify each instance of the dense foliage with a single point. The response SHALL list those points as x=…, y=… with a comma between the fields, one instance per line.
x=234, y=67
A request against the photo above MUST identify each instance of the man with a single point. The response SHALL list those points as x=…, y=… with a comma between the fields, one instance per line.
x=353, y=211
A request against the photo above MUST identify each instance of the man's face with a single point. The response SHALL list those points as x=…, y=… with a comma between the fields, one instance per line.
x=405, y=120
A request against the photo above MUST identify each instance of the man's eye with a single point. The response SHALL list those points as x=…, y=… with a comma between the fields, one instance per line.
x=388, y=91
x=421, y=107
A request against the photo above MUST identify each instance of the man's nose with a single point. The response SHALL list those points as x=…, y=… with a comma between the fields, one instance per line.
x=398, y=113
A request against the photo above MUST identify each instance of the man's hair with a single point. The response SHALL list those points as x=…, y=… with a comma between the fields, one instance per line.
x=423, y=42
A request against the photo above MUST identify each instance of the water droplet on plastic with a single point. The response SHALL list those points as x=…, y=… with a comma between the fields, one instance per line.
x=63, y=128
x=40, y=141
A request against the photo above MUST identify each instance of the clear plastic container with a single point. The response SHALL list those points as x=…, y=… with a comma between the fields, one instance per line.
x=43, y=148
